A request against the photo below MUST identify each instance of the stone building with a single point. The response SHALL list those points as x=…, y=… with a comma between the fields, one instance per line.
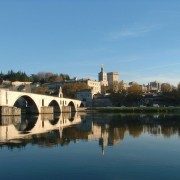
x=154, y=86
x=108, y=79
x=95, y=86
x=112, y=77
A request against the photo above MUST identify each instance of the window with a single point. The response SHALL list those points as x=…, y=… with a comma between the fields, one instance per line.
x=42, y=102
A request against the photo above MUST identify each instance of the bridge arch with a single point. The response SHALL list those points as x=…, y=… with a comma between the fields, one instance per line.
x=56, y=107
x=54, y=121
x=27, y=105
x=26, y=124
x=82, y=105
x=72, y=117
x=72, y=106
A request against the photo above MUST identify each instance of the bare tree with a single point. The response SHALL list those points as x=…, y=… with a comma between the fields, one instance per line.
x=165, y=87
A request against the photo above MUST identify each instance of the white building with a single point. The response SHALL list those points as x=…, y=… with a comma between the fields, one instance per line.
x=126, y=86
x=19, y=83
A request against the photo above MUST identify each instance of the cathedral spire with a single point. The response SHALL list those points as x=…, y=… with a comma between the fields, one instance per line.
x=102, y=68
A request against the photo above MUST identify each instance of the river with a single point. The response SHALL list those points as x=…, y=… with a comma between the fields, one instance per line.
x=90, y=146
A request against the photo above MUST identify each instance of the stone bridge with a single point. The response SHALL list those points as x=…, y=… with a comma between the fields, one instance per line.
x=37, y=103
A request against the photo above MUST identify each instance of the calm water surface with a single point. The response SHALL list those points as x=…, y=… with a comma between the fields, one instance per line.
x=98, y=146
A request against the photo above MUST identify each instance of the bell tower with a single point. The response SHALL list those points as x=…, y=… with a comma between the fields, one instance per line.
x=60, y=93
x=102, y=76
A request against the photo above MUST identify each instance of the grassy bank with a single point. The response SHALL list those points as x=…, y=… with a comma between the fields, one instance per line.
x=136, y=109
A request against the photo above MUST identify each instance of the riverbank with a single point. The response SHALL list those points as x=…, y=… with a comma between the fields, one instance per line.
x=135, y=109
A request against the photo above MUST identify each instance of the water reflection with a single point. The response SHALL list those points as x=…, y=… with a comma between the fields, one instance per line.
x=107, y=129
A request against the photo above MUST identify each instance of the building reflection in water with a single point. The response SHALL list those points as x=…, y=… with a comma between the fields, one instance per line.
x=107, y=129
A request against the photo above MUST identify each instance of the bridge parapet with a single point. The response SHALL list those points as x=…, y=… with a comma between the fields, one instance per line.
x=35, y=102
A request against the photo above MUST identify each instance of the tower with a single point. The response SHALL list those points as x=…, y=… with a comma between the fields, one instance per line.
x=102, y=77
x=60, y=93
x=112, y=77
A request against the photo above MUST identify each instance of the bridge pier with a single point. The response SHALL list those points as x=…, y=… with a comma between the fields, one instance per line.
x=46, y=117
x=10, y=111
x=7, y=120
x=66, y=109
x=47, y=110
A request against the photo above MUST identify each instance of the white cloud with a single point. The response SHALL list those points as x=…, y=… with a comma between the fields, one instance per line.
x=134, y=31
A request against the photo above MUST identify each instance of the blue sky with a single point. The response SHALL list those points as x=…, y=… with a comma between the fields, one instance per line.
x=138, y=38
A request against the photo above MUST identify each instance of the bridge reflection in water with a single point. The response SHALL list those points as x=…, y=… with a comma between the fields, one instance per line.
x=108, y=130
x=20, y=127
